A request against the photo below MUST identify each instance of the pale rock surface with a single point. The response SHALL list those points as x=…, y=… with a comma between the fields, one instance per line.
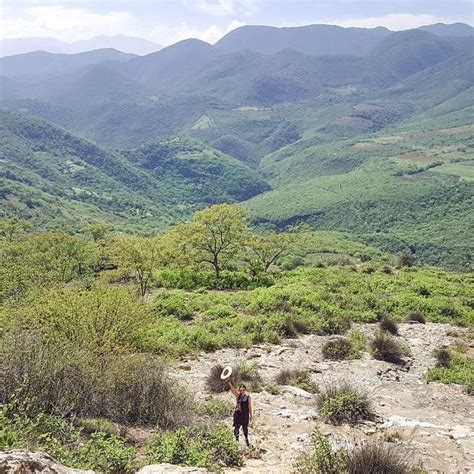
x=24, y=462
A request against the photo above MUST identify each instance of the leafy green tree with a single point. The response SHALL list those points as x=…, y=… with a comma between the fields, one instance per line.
x=139, y=255
x=99, y=231
x=213, y=237
x=267, y=249
x=12, y=228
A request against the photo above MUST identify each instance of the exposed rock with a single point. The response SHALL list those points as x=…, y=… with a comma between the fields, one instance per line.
x=291, y=391
x=171, y=468
x=24, y=462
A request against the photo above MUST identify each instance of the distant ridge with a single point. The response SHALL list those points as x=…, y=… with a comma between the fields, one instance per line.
x=454, y=29
x=125, y=44
x=314, y=40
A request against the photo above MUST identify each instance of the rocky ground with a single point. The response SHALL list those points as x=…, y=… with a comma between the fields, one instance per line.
x=433, y=422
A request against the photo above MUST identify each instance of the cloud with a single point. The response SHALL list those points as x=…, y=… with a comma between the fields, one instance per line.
x=65, y=23
x=171, y=34
x=223, y=7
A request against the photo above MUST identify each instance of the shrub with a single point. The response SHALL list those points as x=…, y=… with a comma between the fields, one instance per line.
x=249, y=375
x=405, y=259
x=214, y=383
x=49, y=433
x=387, y=324
x=105, y=453
x=203, y=447
x=387, y=270
x=59, y=378
x=242, y=373
x=92, y=425
x=221, y=446
x=387, y=348
x=323, y=458
x=344, y=404
x=216, y=408
x=443, y=358
x=416, y=316
x=272, y=389
x=173, y=305
x=460, y=371
x=297, y=378
x=337, y=349
x=375, y=458
x=335, y=325
x=358, y=343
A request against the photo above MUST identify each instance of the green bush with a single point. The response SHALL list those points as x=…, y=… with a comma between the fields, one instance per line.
x=323, y=458
x=62, y=440
x=297, y=378
x=203, y=447
x=249, y=375
x=388, y=349
x=344, y=404
x=172, y=304
x=358, y=343
x=337, y=349
x=60, y=378
x=105, y=453
x=216, y=408
x=460, y=371
x=102, y=425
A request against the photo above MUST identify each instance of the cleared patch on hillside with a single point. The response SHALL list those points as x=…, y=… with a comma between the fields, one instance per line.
x=465, y=170
x=354, y=122
x=204, y=122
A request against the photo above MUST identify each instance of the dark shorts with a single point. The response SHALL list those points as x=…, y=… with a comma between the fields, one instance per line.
x=241, y=419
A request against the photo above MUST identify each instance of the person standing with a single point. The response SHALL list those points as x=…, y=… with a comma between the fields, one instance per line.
x=243, y=411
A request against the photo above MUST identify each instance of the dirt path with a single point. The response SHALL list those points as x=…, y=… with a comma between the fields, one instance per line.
x=435, y=422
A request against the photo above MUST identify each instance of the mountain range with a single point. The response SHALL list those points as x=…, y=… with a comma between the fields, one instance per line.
x=126, y=44
x=299, y=124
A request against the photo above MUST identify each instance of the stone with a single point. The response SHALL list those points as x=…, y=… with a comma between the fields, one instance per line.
x=25, y=462
x=295, y=391
x=171, y=468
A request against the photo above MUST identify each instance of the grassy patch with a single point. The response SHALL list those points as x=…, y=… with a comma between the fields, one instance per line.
x=455, y=368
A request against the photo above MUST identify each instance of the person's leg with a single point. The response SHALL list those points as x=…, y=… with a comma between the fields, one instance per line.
x=245, y=429
x=236, y=430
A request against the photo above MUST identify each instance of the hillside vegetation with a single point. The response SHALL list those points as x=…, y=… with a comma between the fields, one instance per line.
x=90, y=323
x=375, y=142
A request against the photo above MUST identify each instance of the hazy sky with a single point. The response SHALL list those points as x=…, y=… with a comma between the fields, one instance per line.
x=167, y=21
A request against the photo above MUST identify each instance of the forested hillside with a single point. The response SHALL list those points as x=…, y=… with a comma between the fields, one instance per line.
x=371, y=137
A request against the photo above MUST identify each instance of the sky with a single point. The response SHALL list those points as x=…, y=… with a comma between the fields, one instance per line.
x=168, y=21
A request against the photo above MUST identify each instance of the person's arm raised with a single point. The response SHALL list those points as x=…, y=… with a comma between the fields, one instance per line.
x=233, y=389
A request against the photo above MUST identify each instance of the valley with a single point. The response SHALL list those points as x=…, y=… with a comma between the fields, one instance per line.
x=294, y=202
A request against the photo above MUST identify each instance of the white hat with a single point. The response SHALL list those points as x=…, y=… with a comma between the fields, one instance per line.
x=226, y=373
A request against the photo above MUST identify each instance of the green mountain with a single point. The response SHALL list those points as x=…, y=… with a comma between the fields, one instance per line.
x=56, y=178
x=313, y=40
x=43, y=64
x=454, y=29
x=378, y=145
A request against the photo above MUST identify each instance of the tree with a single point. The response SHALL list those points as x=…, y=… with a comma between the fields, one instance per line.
x=405, y=259
x=139, y=255
x=213, y=237
x=12, y=228
x=269, y=248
